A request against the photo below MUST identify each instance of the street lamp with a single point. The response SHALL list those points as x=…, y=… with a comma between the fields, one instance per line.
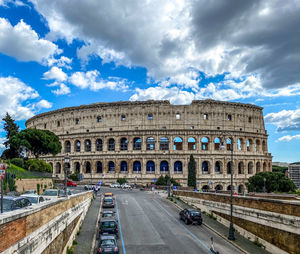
x=67, y=160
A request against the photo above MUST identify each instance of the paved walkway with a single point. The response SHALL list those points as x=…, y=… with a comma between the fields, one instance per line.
x=88, y=227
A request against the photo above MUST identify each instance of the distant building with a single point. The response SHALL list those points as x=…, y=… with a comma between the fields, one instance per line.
x=294, y=173
x=280, y=164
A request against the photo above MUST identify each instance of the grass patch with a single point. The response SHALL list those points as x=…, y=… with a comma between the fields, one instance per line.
x=20, y=173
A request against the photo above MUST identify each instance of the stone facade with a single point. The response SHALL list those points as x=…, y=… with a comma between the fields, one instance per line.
x=143, y=140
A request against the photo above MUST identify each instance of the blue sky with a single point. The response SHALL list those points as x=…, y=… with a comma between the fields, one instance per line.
x=62, y=53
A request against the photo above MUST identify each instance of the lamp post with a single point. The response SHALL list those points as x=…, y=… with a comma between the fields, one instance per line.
x=67, y=159
x=169, y=178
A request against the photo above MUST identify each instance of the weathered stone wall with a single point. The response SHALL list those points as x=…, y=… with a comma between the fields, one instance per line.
x=31, y=184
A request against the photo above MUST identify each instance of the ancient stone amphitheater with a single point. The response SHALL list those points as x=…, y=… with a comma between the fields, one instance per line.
x=145, y=139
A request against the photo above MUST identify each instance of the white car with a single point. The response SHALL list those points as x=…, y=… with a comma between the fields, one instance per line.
x=115, y=185
x=126, y=186
x=34, y=198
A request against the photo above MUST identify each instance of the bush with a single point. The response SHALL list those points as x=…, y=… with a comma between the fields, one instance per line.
x=18, y=162
x=121, y=180
x=164, y=181
x=74, y=176
x=38, y=165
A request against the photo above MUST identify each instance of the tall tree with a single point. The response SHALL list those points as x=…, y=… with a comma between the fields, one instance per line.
x=11, y=129
x=39, y=142
x=192, y=172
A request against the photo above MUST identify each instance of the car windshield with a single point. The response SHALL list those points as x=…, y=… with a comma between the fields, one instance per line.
x=50, y=193
x=195, y=213
x=108, y=224
x=30, y=192
x=33, y=200
x=7, y=204
x=107, y=215
x=108, y=199
x=108, y=242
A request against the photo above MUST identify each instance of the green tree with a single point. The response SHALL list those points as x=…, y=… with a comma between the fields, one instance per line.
x=275, y=181
x=192, y=172
x=11, y=129
x=39, y=142
x=38, y=165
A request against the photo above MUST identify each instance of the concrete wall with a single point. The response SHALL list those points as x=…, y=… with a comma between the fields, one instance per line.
x=31, y=184
x=43, y=228
x=275, y=223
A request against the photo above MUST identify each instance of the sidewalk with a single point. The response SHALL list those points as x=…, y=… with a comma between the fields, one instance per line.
x=240, y=241
x=88, y=227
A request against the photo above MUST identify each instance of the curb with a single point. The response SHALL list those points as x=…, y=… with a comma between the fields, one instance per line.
x=95, y=234
x=212, y=229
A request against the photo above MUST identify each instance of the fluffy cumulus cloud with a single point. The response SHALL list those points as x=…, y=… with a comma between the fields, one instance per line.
x=285, y=120
x=289, y=138
x=62, y=90
x=56, y=74
x=169, y=38
x=16, y=99
x=23, y=43
x=63, y=61
x=93, y=81
x=2, y=140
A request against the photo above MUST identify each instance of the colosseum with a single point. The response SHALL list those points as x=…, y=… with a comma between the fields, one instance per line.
x=145, y=139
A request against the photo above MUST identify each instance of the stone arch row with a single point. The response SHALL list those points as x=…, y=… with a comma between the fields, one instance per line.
x=206, y=143
x=240, y=188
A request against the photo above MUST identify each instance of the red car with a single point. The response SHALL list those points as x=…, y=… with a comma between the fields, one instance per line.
x=71, y=183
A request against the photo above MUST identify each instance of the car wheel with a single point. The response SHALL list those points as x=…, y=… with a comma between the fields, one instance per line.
x=186, y=221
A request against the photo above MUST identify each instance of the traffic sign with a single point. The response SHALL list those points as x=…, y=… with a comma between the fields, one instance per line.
x=2, y=171
x=99, y=183
x=154, y=180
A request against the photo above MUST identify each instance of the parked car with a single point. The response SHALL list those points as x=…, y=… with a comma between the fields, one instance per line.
x=126, y=186
x=191, y=216
x=108, y=202
x=89, y=186
x=108, y=214
x=34, y=198
x=109, y=194
x=108, y=226
x=108, y=244
x=13, y=194
x=30, y=192
x=115, y=185
x=71, y=183
x=50, y=194
x=62, y=193
x=11, y=203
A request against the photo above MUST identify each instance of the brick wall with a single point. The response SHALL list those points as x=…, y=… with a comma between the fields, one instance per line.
x=31, y=184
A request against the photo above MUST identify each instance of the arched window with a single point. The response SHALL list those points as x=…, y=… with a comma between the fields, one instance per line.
x=241, y=168
x=264, y=166
x=67, y=146
x=177, y=143
x=240, y=144
x=164, y=143
x=123, y=167
x=150, y=145
x=257, y=167
x=264, y=147
x=58, y=168
x=99, y=166
x=137, y=144
x=205, y=188
x=150, y=116
x=164, y=167
x=77, y=167
x=229, y=187
x=205, y=168
x=218, y=167
x=88, y=145
x=137, y=166
x=250, y=167
x=219, y=187
x=111, y=167
x=249, y=145
x=87, y=167
x=257, y=145
x=178, y=167
x=99, y=144
x=111, y=144
x=150, y=167
x=204, y=143
x=124, y=144
x=77, y=146
x=241, y=188
x=229, y=167
x=191, y=143
x=229, y=144
x=217, y=142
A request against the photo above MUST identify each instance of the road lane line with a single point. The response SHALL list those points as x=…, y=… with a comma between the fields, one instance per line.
x=123, y=245
x=195, y=237
x=97, y=227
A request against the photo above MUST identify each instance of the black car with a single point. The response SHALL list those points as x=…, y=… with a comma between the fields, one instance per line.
x=108, y=226
x=108, y=202
x=108, y=244
x=13, y=203
x=191, y=216
x=108, y=214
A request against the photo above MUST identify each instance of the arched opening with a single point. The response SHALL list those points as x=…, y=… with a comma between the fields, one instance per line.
x=164, y=167
x=204, y=143
x=264, y=166
x=229, y=144
x=191, y=143
x=111, y=167
x=99, y=144
x=217, y=142
x=205, y=188
x=137, y=144
x=88, y=145
x=150, y=167
x=218, y=167
x=205, y=167
x=77, y=167
x=241, y=188
x=99, y=166
x=241, y=168
x=150, y=143
x=58, y=168
x=178, y=167
x=77, y=146
x=111, y=144
x=177, y=143
x=257, y=167
x=264, y=147
x=249, y=145
x=51, y=164
x=218, y=187
x=124, y=144
x=229, y=167
x=137, y=167
x=67, y=146
x=257, y=145
x=240, y=144
x=123, y=167
x=164, y=143
x=229, y=187
x=67, y=166
x=250, y=167
x=87, y=167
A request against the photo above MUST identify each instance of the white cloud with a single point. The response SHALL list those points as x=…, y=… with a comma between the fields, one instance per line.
x=94, y=82
x=62, y=90
x=289, y=138
x=285, y=120
x=23, y=43
x=56, y=74
x=43, y=104
x=2, y=140
x=63, y=61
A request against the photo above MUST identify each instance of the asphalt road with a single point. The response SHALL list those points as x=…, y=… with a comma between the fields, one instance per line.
x=150, y=224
